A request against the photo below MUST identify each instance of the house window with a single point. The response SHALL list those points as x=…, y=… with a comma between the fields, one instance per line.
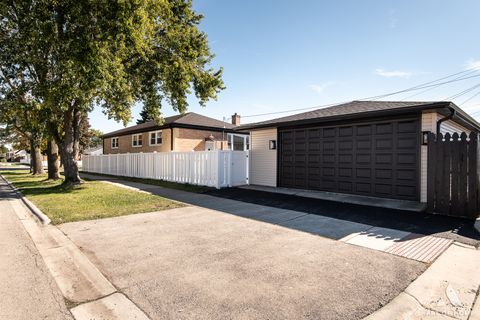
x=115, y=143
x=156, y=138
x=137, y=140
x=238, y=142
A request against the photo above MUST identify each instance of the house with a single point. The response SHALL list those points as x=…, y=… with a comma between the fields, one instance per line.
x=369, y=148
x=95, y=151
x=186, y=132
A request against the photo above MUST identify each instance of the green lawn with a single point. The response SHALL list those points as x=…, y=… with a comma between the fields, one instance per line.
x=160, y=183
x=91, y=200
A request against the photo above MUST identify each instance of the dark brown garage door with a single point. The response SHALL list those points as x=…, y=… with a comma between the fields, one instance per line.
x=379, y=158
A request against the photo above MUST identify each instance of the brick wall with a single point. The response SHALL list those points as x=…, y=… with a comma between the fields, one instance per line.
x=184, y=140
x=125, y=144
x=191, y=139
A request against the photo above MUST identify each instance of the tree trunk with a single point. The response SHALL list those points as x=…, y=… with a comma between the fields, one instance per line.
x=69, y=146
x=36, y=157
x=53, y=160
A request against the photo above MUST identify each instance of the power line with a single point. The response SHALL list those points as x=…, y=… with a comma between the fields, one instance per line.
x=461, y=93
x=465, y=74
x=468, y=99
x=432, y=88
x=291, y=110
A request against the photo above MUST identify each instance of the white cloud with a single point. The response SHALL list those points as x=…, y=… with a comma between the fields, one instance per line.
x=472, y=64
x=392, y=19
x=393, y=74
x=320, y=88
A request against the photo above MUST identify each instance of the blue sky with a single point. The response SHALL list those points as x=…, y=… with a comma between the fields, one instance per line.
x=282, y=55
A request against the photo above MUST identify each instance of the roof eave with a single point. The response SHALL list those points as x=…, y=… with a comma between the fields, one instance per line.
x=361, y=115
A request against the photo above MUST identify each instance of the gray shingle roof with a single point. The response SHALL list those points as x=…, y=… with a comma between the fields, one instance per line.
x=187, y=119
x=355, y=109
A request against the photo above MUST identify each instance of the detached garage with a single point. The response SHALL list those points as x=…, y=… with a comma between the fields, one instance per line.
x=367, y=148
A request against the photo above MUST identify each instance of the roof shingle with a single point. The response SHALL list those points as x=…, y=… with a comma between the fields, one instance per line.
x=355, y=109
x=189, y=119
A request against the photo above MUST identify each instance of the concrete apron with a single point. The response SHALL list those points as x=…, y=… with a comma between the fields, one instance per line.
x=80, y=282
x=447, y=290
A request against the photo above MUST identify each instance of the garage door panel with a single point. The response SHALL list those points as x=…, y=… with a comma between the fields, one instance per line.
x=384, y=144
x=364, y=130
x=406, y=158
x=407, y=126
x=375, y=159
x=345, y=186
x=345, y=172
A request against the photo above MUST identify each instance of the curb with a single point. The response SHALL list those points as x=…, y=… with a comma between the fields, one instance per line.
x=33, y=208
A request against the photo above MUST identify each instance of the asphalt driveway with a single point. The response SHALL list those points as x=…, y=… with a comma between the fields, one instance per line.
x=197, y=263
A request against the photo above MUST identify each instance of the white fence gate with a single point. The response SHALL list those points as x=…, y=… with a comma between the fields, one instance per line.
x=207, y=168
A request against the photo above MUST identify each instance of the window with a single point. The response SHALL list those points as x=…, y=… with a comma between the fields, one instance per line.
x=156, y=138
x=115, y=143
x=137, y=140
x=238, y=142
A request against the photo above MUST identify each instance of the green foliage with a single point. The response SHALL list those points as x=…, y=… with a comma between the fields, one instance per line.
x=95, y=138
x=144, y=117
x=90, y=200
x=60, y=58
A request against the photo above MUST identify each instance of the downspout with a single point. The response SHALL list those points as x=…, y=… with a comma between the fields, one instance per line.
x=449, y=117
x=171, y=138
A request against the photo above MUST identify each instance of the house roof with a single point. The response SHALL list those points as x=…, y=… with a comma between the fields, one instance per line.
x=359, y=109
x=187, y=120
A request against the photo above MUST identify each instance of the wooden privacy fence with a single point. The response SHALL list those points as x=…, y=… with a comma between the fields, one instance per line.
x=453, y=185
x=206, y=168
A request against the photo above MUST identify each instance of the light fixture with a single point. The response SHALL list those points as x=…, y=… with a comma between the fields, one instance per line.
x=425, y=137
x=272, y=144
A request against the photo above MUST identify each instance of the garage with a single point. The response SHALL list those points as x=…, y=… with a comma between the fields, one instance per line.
x=377, y=158
x=363, y=148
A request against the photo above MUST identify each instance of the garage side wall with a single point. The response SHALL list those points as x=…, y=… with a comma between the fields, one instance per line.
x=263, y=161
x=429, y=123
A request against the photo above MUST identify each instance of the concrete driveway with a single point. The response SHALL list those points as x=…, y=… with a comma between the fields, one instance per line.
x=198, y=263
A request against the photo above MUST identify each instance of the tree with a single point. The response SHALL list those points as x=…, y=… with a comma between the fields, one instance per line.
x=89, y=138
x=96, y=139
x=111, y=54
x=144, y=117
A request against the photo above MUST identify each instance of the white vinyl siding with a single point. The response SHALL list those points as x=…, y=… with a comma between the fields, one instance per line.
x=429, y=123
x=263, y=161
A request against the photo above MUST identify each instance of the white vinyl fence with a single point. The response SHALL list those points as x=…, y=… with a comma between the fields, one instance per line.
x=207, y=168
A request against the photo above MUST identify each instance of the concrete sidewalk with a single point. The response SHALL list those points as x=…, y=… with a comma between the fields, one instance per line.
x=69, y=275
x=27, y=289
x=445, y=291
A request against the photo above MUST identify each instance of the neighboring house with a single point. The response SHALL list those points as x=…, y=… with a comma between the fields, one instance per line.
x=93, y=151
x=187, y=132
x=21, y=156
x=370, y=148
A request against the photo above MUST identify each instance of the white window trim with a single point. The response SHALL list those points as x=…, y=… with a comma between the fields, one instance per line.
x=111, y=142
x=150, y=138
x=137, y=135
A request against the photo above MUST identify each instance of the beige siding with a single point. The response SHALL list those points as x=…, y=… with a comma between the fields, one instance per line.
x=429, y=123
x=263, y=161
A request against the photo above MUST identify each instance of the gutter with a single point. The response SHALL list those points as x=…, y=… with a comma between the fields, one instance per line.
x=449, y=117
